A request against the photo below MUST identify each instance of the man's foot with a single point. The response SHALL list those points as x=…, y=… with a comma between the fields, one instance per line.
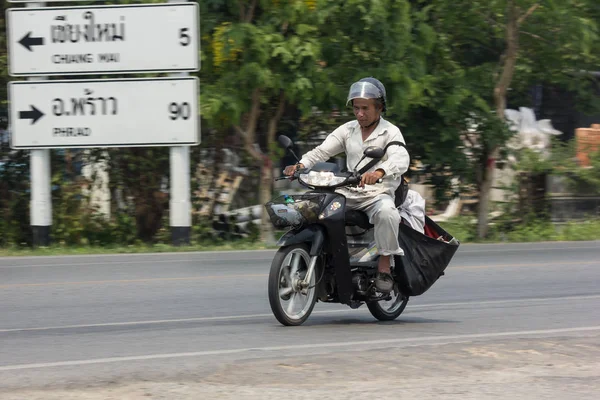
x=384, y=282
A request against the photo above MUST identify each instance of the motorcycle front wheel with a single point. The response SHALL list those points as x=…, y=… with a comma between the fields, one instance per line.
x=389, y=310
x=291, y=304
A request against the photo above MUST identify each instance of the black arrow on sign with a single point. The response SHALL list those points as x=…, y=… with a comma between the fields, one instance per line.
x=34, y=115
x=27, y=41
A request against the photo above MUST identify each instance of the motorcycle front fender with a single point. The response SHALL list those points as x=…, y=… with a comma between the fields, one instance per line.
x=313, y=234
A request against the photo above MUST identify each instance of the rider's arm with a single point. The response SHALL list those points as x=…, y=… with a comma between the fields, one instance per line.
x=331, y=146
x=398, y=159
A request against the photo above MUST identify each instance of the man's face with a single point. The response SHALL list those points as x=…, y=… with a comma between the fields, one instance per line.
x=366, y=111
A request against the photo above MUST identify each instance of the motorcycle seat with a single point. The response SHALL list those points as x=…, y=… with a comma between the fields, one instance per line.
x=358, y=218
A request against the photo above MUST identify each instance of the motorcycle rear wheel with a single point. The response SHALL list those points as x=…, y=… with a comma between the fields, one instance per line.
x=290, y=265
x=391, y=312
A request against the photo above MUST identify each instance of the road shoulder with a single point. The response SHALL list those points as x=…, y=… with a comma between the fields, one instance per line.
x=531, y=368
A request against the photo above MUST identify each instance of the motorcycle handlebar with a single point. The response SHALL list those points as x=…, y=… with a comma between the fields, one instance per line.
x=352, y=180
x=295, y=175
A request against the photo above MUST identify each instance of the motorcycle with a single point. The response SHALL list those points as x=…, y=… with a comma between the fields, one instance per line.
x=328, y=254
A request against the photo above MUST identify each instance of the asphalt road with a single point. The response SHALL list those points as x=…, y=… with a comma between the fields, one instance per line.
x=97, y=319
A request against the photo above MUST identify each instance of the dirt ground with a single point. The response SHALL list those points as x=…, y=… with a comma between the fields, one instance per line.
x=557, y=368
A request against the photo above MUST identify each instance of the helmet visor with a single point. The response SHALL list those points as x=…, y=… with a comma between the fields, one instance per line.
x=363, y=90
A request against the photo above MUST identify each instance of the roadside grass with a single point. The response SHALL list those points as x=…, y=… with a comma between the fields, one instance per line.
x=533, y=230
x=56, y=249
x=461, y=228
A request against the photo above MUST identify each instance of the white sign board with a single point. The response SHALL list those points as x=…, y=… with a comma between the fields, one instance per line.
x=103, y=39
x=127, y=112
x=44, y=1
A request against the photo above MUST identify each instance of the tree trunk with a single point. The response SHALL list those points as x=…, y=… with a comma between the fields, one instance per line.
x=500, y=90
x=264, y=159
x=266, y=182
x=485, y=190
x=267, y=185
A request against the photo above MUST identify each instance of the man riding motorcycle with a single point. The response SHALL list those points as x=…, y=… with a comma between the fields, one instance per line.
x=368, y=98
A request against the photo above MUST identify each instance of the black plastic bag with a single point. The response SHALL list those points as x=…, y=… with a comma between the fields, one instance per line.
x=425, y=257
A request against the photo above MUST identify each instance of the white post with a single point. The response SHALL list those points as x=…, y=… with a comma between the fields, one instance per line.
x=180, y=207
x=41, y=199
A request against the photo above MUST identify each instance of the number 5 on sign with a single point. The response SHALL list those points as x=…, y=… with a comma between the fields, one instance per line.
x=184, y=37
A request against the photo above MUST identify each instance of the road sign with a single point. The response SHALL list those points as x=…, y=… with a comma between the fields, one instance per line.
x=103, y=39
x=126, y=112
x=45, y=1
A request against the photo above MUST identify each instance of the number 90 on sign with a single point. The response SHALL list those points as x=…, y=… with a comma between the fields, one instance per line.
x=179, y=110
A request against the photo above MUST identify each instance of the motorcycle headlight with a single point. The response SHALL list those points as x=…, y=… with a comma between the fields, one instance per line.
x=321, y=178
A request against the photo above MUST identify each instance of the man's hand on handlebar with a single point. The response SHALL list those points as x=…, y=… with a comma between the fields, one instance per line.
x=370, y=178
x=290, y=169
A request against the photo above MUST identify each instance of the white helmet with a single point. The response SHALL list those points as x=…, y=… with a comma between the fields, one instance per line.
x=367, y=88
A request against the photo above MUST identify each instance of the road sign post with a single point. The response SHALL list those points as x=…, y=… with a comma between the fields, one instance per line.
x=40, y=203
x=41, y=199
x=180, y=204
x=122, y=112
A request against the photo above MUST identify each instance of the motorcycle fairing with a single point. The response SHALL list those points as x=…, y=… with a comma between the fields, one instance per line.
x=335, y=224
x=311, y=234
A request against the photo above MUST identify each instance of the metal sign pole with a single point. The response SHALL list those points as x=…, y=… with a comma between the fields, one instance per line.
x=180, y=206
x=41, y=199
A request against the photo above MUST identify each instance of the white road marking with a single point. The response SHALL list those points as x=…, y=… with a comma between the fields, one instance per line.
x=339, y=311
x=311, y=346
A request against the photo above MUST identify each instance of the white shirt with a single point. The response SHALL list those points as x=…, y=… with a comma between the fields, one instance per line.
x=348, y=138
x=413, y=210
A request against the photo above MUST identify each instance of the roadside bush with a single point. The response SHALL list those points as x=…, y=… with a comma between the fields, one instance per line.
x=526, y=229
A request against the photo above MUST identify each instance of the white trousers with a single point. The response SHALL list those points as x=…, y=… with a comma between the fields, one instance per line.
x=384, y=215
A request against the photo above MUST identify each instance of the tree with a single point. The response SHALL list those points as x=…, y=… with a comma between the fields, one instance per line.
x=506, y=46
x=263, y=57
x=256, y=60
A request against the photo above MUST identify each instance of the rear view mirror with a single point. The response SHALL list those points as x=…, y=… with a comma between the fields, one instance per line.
x=374, y=152
x=285, y=142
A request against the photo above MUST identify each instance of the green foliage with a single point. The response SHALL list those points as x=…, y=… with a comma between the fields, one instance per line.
x=562, y=162
x=141, y=177
x=533, y=162
x=461, y=228
x=120, y=229
x=439, y=60
x=537, y=231
x=276, y=49
x=579, y=179
x=528, y=230
x=590, y=176
x=14, y=199
x=501, y=49
x=67, y=213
